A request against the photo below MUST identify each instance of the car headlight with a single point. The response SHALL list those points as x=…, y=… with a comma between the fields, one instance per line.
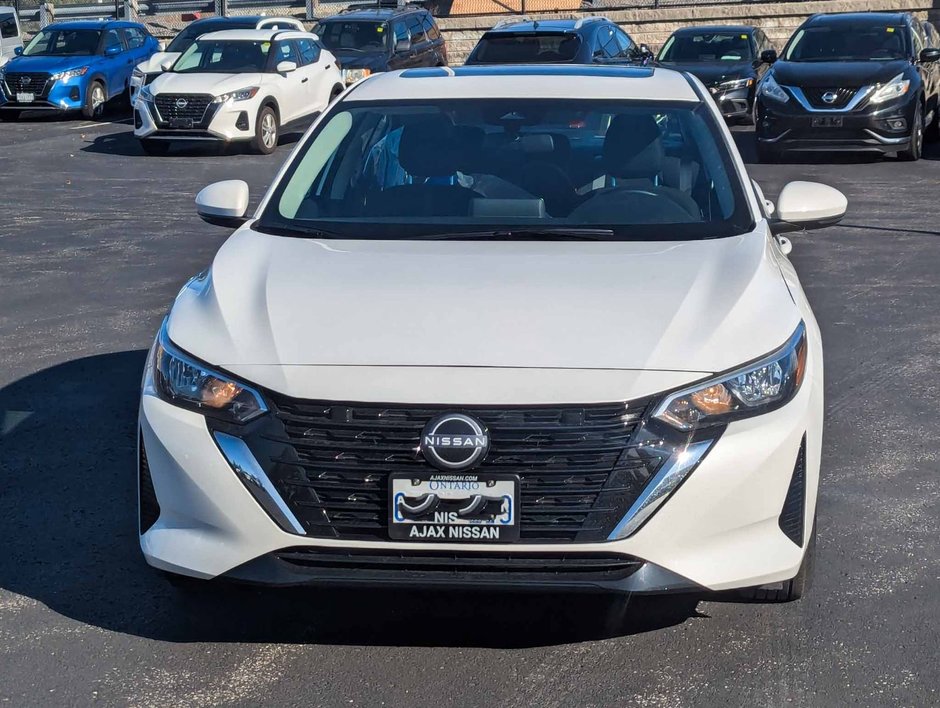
x=897, y=87
x=733, y=84
x=138, y=75
x=70, y=74
x=748, y=391
x=352, y=75
x=240, y=95
x=185, y=382
x=145, y=94
x=771, y=89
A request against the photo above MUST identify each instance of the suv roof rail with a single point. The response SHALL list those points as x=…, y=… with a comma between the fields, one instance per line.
x=590, y=18
x=511, y=21
x=380, y=5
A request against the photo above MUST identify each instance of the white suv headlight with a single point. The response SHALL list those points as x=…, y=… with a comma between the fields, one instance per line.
x=185, y=382
x=771, y=89
x=897, y=87
x=748, y=391
x=70, y=74
x=244, y=94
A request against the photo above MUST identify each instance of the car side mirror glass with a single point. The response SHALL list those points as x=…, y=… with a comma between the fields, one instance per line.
x=286, y=67
x=768, y=56
x=224, y=203
x=808, y=205
x=929, y=55
x=402, y=46
x=18, y=50
x=112, y=51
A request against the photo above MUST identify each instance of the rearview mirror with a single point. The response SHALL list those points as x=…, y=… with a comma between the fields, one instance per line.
x=402, y=46
x=808, y=205
x=929, y=55
x=768, y=56
x=223, y=203
x=286, y=67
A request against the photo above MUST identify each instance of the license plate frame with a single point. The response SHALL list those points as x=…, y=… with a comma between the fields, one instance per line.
x=826, y=122
x=181, y=123
x=25, y=97
x=454, y=490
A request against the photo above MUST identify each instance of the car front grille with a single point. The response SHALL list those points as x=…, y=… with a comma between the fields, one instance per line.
x=331, y=462
x=34, y=83
x=842, y=96
x=182, y=107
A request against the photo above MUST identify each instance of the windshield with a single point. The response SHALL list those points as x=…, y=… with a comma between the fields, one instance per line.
x=361, y=36
x=61, y=42
x=707, y=46
x=842, y=42
x=223, y=57
x=526, y=49
x=413, y=169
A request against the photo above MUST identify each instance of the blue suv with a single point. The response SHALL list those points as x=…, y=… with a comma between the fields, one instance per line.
x=74, y=66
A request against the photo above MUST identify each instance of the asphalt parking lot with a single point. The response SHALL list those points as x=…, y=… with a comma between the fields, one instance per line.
x=95, y=241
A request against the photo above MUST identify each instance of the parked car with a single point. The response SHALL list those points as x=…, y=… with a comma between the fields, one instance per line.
x=74, y=66
x=408, y=367
x=10, y=38
x=851, y=81
x=371, y=37
x=588, y=40
x=145, y=72
x=726, y=59
x=237, y=85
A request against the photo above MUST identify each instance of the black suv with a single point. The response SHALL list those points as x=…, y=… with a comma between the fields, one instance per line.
x=726, y=59
x=589, y=40
x=366, y=38
x=852, y=81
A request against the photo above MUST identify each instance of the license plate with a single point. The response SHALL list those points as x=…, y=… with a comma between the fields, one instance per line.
x=827, y=121
x=25, y=97
x=181, y=123
x=471, y=508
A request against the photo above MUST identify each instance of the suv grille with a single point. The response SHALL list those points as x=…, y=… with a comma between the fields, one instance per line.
x=182, y=107
x=331, y=461
x=26, y=83
x=815, y=96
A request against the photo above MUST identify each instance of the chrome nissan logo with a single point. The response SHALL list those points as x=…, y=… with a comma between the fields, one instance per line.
x=454, y=442
x=24, y=81
x=830, y=96
x=181, y=103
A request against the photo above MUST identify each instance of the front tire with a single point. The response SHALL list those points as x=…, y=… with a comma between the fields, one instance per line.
x=95, y=99
x=267, y=132
x=913, y=152
x=792, y=589
x=154, y=148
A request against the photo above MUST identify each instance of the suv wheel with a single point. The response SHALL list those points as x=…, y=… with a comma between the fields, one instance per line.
x=95, y=100
x=267, y=131
x=917, y=138
x=792, y=589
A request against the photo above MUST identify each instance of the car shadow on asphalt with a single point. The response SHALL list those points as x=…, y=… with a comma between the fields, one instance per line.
x=68, y=481
x=126, y=145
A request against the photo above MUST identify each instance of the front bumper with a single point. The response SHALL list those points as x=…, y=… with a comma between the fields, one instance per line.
x=788, y=126
x=227, y=122
x=721, y=529
x=68, y=95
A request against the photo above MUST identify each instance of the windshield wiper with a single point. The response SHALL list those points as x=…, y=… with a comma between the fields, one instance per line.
x=297, y=231
x=525, y=234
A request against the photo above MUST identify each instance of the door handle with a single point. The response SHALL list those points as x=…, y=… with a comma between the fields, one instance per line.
x=303, y=81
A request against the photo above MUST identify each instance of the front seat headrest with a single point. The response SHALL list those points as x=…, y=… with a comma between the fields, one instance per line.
x=428, y=148
x=633, y=147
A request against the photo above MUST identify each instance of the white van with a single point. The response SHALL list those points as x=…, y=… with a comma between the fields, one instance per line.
x=10, y=36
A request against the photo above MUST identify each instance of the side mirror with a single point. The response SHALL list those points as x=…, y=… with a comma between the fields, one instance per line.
x=808, y=205
x=17, y=51
x=929, y=55
x=113, y=50
x=167, y=64
x=223, y=203
x=645, y=50
x=286, y=67
x=402, y=46
x=768, y=56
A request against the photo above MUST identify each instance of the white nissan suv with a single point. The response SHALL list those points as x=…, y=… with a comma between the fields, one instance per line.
x=237, y=85
x=517, y=326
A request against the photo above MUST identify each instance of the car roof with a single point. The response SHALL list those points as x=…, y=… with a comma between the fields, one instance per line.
x=253, y=35
x=534, y=81
x=4, y=8
x=700, y=29
x=836, y=18
x=561, y=25
x=92, y=24
x=376, y=14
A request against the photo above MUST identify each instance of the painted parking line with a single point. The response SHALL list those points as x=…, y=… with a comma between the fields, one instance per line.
x=98, y=124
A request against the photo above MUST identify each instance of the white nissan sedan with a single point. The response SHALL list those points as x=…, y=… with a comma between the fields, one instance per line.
x=237, y=85
x=519, y=326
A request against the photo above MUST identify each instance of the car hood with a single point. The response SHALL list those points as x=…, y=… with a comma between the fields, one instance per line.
x=152, y=65
x=714, y=72
x=377, y=61
x=678, y=306
x=828, y=74
x=53, y=65
x=215, y=84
